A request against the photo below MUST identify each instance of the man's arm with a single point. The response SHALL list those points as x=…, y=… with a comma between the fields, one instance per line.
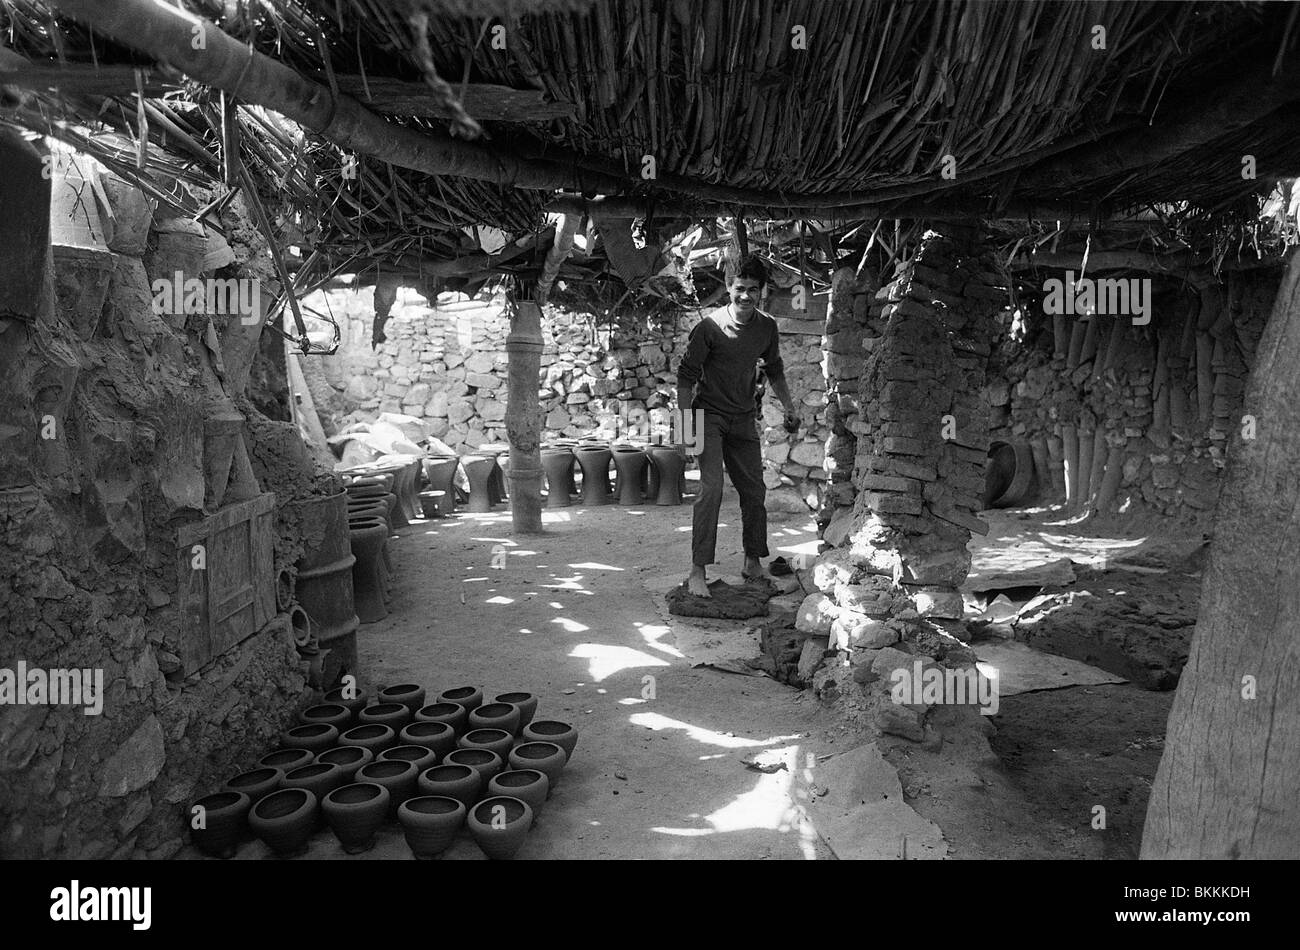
x=691, y=367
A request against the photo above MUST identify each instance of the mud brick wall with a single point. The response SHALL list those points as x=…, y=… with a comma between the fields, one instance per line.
x=88, y=543
x=1152, y=407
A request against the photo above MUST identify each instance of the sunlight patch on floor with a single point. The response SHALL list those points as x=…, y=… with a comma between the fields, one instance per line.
x=605, y=660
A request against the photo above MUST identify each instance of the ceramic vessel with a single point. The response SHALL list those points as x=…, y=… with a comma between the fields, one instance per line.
x=332, y=714
x=393, y=715
x=527, y=785
x=372, y=736
x=285, y=820
x=436, y=736
x=351, y=697
x=409, y=695
x=494, y=740
x=316, y=737
x=430, y=823
x=224, y=817
x=355, y=812
x=286, y=760
x=349, y=758
x=461, y=782
x=549, y=730
x=544, y=756
x=526, y=702
x=483, y=761
x=319, y=778
x=471, y=697
x=396, y=776
x=256, y=784
x=422, y=756
x=505, y=716
x=453, y=714
x=499, y=825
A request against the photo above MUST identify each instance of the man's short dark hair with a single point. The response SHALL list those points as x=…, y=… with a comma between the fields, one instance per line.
x=752, y=268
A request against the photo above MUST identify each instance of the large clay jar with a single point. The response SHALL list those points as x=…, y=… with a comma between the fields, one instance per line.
x=373, y=736
x=319, y=778
x=224, y=816
x=479, y=470
x=484, y=761
x=461, y=782
x=314, y=738
x=526, y=702
x=544, y=756
x=285, y=820
x=499, y=825
x=349, y=758
x=548, y=730
x=354, y=699
x=355, y=813
x=430, y=823
x=438, y=737
x=453, y=714
x=396, y=776
x=594, y=462
x=422, y=756
x=527, y=785
x=630, y=464
x=393, y=715
x=368, y=540
x=558, y=465
x=471, y=697
x=441, y=473
x=409, y=695
x=331, y=714
x=286, y=760
x=670, y=467
x=494, y=740
x=256, y=784
x=504, y=716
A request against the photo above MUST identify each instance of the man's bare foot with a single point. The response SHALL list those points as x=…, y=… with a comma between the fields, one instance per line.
x=697, y=584
x=753, y=570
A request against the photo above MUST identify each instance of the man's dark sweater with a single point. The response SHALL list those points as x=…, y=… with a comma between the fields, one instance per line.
x=721, y=361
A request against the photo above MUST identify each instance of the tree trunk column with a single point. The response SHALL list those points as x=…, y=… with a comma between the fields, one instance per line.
x=523, y=416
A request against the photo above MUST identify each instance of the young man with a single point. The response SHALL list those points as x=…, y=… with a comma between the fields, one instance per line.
x=718, y=374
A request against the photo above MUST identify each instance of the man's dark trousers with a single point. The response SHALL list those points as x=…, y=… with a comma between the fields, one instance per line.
x=733, y=440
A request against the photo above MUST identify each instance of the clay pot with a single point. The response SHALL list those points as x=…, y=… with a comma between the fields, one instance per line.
x=544, y=756
x=471, y=697
x=355, y=813
x=430, y=823
x=286, y=760
x=319, y=778
x=408, y=694
x=461, y=782
x=256, y=784
x=393, y=715
x=526, y=702
x=316, y=737
x=355, y=704
x=527, y=785
x=224, y=816
x=548, y=730
x=504, y=716
x=331, y=714
x=499, y=825
x=422, y=756
x=431, y=504
x=494, y=740
x=453, y=714
x=437, y=736
x=484, y=761
x=349, y=758
x=285, y=820
x=396, y=776
x=373, y=736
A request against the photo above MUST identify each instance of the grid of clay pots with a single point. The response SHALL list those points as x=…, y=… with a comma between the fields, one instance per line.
x=355, y=763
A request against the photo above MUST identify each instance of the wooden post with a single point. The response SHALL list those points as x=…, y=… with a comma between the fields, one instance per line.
x=523, y=415
x=1085, y=469
x=1098, y=464
x=1110, y=481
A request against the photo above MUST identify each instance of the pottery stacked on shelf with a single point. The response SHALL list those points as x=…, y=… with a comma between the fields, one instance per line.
x=355, y=761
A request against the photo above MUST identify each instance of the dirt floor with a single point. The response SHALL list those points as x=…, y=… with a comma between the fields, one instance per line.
x=676, y=760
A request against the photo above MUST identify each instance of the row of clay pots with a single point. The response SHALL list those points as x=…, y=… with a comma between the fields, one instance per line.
x=656, y=472
x=371, y=508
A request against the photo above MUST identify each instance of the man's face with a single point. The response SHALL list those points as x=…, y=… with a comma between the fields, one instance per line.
x=745, y=294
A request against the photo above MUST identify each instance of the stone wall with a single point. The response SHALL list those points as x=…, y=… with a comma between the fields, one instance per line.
x=103, y=445
x=447, y=365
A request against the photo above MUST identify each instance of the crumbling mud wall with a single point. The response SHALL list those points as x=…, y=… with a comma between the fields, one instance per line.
x=112, y=421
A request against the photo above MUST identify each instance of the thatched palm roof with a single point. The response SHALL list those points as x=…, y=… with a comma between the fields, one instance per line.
x=826, y=109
